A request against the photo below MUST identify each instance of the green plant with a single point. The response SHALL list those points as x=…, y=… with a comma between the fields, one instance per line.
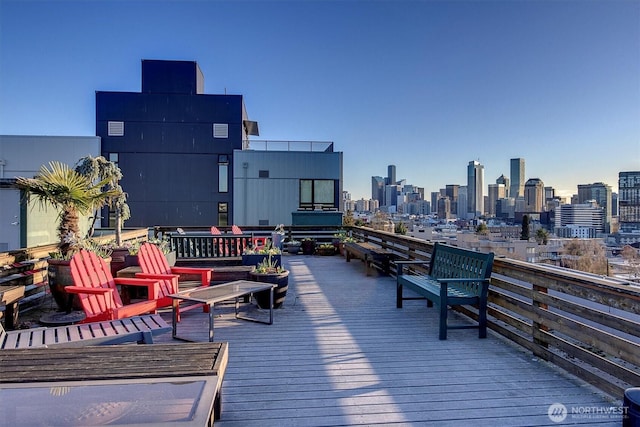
x=400, y=228
x=72, y=194
x=269, y=265
x=268, y=249
x=162, y=242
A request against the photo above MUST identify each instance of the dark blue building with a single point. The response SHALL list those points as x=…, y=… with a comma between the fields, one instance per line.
x=174, y=145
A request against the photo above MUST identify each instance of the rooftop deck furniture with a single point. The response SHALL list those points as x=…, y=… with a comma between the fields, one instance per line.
x=214, y=294
x=153, y=261
x=132, y=329
x=98, y=293
x=373, y=256
x=455, y=277
x=10, y=296
x=135, y=364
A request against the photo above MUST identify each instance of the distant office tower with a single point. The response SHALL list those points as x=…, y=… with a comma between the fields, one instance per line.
x=435, y=195
x=504, y=181
x=391, y=193
x=462, y=202
x=444, y=208
x=533, y=195
x=391, y=174
x=377, y=189
x=517, y=178
x=629, y=201
x=582, y=215
x=451, y=190
x=475, y=189
x=601, y=193
x=496, y=192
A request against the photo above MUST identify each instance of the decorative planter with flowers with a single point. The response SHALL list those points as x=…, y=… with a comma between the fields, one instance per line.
x=308, y=246
x=252, y=256
x=268, y=272
x=326, y=249
x=293, y=246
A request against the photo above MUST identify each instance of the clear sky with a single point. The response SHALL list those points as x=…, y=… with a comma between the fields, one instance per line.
x=425, y=85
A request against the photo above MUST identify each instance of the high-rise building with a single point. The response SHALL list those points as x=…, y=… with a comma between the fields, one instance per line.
x=496, y=192
x=601, y=193
x=391, y=175
x=629, y=201
x=451, y=190
x=516, y=188
x=534, y=195
x=504, y=181
x=583, y=215
x=377, y=189
x=475, y=189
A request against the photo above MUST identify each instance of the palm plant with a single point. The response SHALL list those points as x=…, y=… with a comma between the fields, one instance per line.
x=70, y=192
x=100, y=169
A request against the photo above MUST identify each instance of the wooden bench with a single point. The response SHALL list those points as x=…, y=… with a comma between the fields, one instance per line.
x=132, y=329
x=372, y=256
x=455, y=277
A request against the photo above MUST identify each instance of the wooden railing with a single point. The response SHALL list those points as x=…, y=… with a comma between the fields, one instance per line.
x=586, y=324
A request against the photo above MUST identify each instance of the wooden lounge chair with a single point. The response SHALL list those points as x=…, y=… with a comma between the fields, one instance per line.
x=96, y=288
x=153, y=262
x=139, y=329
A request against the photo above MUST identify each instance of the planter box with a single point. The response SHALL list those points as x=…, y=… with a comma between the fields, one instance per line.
x=255, y=259
x=279, y=293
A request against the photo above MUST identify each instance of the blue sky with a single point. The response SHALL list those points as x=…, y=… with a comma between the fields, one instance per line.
x=425, y=85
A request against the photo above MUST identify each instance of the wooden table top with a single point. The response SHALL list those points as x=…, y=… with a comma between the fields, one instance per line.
x=113, y=362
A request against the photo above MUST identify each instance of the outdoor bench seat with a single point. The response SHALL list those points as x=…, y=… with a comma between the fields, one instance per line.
x=372, y=256
x=455, y=277
x=131, y=329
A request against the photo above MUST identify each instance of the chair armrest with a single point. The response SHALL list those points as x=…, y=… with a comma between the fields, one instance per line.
x=400, y=265
x=205, y=273
x=157, y=276
x=153, y=286
x=83, y=290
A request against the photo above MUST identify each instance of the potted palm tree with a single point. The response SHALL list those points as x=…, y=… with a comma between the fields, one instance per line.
x=73, y=195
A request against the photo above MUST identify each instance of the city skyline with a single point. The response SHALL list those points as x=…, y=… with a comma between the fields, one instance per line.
x=427, y=86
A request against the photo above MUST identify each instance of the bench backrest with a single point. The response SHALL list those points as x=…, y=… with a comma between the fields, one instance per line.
x=450, y=262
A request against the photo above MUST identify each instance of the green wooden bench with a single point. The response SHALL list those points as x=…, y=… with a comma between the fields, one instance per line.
x=455, y=277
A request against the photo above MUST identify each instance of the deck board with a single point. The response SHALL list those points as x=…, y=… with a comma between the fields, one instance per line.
x=341, y=354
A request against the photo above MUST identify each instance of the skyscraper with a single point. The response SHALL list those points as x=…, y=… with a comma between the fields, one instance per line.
x=516, y=189
x=504, y=181
x=601, y=193
x=534, y=195
x=391, y=175
x=377, y=189
x=475, y=189
x=629, y=201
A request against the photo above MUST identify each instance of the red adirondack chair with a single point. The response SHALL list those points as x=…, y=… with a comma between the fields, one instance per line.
x=96, y=288
x=153, y=262
x=215, y=231
x=236, y=230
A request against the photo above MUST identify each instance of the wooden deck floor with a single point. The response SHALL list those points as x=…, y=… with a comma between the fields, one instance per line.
x=340, y=354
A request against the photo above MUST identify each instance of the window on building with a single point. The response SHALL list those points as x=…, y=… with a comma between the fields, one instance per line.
x=223, y=214
x=223, y=173
x=317, y=194
x=263, y=174
x=220, y=130
x=115, y=128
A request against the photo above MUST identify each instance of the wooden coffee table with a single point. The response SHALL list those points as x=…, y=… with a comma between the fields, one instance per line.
x=210, y=295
